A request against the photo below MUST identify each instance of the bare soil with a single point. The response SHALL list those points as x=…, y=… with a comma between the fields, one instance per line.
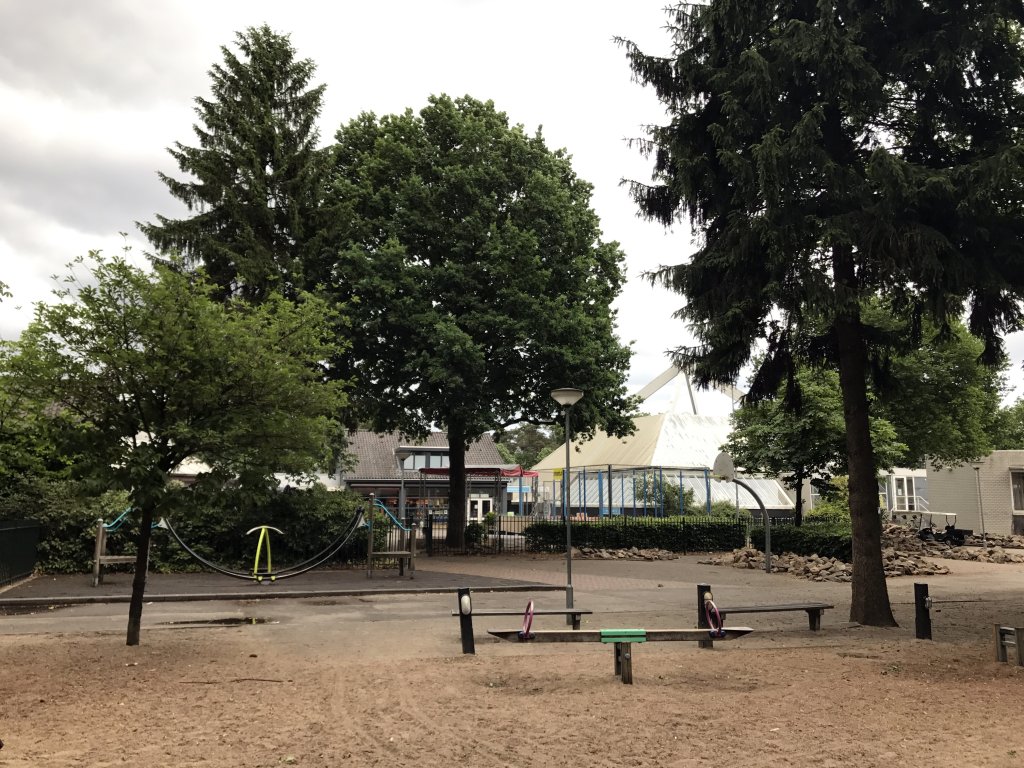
x=381, y=682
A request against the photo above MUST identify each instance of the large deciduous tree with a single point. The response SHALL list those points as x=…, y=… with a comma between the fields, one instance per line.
x=256, y=175
x=481, y=277
x=826, y=153
x=805, y=441
x=152, y=370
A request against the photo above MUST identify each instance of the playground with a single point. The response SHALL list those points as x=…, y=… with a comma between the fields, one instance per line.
x=379, y=679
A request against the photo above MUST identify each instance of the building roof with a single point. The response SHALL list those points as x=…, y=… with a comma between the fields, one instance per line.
x=374, y=453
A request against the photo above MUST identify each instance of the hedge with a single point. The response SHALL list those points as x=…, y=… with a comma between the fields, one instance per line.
x=689, y=533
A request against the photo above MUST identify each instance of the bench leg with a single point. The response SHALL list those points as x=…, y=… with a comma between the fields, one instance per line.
x=576, y=619
x=624, y=662
x=814, y=619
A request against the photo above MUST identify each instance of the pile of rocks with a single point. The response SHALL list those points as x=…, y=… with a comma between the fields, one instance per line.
x=991, y=549
x=632, y=553
x=818, y=568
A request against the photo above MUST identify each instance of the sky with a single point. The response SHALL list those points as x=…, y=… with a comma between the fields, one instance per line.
x=94, y=93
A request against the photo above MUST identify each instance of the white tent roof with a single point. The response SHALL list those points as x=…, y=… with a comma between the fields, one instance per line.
x=676, y=439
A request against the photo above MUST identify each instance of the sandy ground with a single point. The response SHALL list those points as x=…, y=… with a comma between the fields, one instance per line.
x=380, y=681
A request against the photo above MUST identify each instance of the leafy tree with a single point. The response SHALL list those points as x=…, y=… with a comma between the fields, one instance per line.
x=527, y=444
x=827, y=153
x=481, y=276
x=256, y=175
x=154, y=371
x=941, y=401
x=807, y=442
x=1008, y=427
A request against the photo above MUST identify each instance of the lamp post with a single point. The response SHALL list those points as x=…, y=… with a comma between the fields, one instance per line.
x=981, y=509
x=567, y=397
x=401, y=454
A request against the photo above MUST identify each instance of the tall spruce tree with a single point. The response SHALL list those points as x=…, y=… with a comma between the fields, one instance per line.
x=256, y=175
x=827, y=152
x=481, y=279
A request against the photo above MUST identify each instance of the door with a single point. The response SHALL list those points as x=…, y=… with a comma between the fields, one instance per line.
x=478, y=506
x=906, y=497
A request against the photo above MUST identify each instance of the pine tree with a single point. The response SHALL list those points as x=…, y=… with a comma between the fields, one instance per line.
x=828, y=152
x=256, y=174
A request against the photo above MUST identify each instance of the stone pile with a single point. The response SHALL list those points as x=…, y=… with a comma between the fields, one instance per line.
x=632, y=553
x=993, y=549
x=818, y=568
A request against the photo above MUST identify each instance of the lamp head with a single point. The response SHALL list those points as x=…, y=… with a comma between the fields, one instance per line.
x=402, y=453
x=566, y=396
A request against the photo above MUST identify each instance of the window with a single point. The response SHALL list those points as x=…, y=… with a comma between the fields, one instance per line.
x=905, y=497
x=1017, y=483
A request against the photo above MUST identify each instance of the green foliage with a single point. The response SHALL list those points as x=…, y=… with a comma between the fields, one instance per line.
x=1007, y=430
x=215, y=525
x=807, y=440
x=824, y=539
x=144, y=370
x=258, y=174
x=475, y=535
x=940, y=400
x=652, y=490
x=527, y=444
x=481, y=278
x=677, y=533
x=67, y=515
x=827, y=154
x=834, y=505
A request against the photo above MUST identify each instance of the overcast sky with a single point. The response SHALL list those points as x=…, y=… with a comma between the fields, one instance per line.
x=94, y=92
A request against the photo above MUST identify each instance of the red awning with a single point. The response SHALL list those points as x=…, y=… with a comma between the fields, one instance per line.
x=482, y=472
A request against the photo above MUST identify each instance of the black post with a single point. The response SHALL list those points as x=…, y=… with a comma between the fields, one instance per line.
x=702, y=618
x=428, y=533
x=922, y=613
x=466, y=620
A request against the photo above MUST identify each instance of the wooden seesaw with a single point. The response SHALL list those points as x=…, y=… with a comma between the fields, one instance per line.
x=622, y=639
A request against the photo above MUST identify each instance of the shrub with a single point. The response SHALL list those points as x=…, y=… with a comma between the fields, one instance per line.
x=689, y=533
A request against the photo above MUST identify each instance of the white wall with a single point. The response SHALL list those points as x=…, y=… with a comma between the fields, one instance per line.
x=956, y=490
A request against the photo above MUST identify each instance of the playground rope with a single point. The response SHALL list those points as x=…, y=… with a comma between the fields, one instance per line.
x=527, y=622
x=715, y=624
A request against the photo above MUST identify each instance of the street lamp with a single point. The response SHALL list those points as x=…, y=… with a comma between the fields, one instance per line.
x=981, y=509
x=401, y=454
x=567, y=397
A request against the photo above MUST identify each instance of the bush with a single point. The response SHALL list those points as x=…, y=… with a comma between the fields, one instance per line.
x=689, y=533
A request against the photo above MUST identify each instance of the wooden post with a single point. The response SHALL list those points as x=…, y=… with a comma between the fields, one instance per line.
x=702, y=619
x=369, y=539
x=465, y=608
x=922, y=614
x=101, y=545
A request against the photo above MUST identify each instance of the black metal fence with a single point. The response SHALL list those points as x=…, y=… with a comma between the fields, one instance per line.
x=515, y=533
x=18, y=542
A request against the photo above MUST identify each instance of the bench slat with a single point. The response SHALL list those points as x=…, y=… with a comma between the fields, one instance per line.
x=774, y=608
x=537, y=612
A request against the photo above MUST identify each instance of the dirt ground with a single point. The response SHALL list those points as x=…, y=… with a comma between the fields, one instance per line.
x=380, y=681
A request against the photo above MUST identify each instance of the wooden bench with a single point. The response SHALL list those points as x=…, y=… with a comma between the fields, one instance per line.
x=814, y=611
x=100, y=556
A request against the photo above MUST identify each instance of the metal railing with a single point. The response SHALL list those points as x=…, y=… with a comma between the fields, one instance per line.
x=19, y=540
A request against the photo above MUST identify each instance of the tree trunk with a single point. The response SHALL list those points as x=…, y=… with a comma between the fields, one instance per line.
x=870, y=599
x=456, y=536
x=139, y=582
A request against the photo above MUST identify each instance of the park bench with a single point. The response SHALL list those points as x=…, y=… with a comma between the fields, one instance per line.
x=814, y=611
x=575, y=615
x=100, y=556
